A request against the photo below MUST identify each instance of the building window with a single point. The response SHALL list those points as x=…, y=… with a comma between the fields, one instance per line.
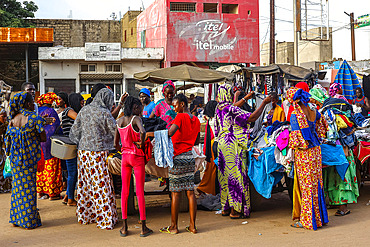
x=125, y=35
x=88, y=67
x=210, y=7
x=113, y=68
x=143, y=39
x=182, y=7
x=229, y=8
x=132, y=31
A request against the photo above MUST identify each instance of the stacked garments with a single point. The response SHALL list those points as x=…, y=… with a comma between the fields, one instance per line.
x=341, y=185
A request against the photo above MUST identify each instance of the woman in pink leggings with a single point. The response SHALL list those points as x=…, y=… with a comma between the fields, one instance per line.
x=131, y=132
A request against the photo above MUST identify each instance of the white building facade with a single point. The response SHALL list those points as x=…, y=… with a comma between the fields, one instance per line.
x=77, y=69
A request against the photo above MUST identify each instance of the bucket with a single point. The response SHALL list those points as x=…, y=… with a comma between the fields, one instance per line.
x=63, y=148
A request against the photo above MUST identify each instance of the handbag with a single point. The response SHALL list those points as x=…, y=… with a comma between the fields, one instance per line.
x=7, y=172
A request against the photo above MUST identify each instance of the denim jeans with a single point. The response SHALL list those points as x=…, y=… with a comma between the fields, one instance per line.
x=72, y=177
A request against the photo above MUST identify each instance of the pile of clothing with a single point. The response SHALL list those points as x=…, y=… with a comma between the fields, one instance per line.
x=342, y=123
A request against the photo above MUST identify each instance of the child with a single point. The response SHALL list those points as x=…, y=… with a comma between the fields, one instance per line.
x=132, y=134
x=184, y=131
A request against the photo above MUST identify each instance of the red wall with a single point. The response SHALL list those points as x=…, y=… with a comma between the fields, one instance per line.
x=203, y=37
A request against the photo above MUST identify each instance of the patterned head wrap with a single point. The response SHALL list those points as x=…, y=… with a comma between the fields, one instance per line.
x=334, y=88
x=17, y=105
x=318, y=94
x=224, y=95
x=48, y=98
x=318, y=86
x=298, y=120
x=166, y=84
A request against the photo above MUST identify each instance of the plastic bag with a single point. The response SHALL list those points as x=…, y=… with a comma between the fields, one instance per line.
x=7, y=172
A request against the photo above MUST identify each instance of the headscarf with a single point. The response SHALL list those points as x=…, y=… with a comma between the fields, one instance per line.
x=303, y=85
x=96, y=88
x=224, y=95
x=64, y=97
x=166, y=84
x=298, y=119
x=17, y=105
x=334, y=89
x=318, y=94
x=318, y=86
x=75, y=101
x=103, y=99
x=47, y=98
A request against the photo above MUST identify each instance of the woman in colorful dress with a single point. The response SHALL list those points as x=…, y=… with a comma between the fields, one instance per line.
x=22, y=140
x=335, y=91
x=49, y=174
x=93, y=131
x=164, y=108
x=232, y=125
x=5, y=183
x=308, y=127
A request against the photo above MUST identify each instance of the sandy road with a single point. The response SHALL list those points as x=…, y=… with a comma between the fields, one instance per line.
x=269, y=226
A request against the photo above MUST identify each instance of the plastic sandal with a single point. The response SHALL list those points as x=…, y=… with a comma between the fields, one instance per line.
x=342, y=213
x=298, y=224
x=146, y=234
x=166, y=230
x=187, y=229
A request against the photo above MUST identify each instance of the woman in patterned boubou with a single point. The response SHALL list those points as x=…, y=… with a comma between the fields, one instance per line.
x=308, y=129
x=49, y=172
x=93, y=131
x=232, y=131
x=22, y=139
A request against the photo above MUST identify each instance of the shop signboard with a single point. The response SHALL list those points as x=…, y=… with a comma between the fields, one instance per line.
x=103, y=51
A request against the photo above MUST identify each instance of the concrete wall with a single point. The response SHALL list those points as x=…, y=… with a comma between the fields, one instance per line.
x=284, y=53
x=63, y=63
x=74, y=33
x=308, y=50
x=129, y=29
x=315, y=50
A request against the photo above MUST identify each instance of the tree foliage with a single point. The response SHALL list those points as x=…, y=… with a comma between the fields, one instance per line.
x=15, y=14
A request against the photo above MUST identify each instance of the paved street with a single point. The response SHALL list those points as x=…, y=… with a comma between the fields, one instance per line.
x=269, y=226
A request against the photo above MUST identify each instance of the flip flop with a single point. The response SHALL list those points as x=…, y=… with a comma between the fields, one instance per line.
x=298, y=224
x=342, y=213
x=187, y=229
x=146, y=234
x=122, y=234
x=166, y=230
x=65, y=203
x=241, y=216
x=44, y=197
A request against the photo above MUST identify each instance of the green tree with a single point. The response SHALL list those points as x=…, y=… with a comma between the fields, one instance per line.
x=15, y=14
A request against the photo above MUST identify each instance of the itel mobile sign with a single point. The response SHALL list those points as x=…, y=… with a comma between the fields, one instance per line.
x=209, y=35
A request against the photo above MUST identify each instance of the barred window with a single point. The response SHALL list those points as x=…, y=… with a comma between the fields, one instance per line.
x=182, y=7
x=210, y=7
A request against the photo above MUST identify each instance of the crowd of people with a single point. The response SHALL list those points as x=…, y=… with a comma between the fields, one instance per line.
x=99, y=127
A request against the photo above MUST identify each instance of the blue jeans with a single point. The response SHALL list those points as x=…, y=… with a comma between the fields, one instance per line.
x=72, y=177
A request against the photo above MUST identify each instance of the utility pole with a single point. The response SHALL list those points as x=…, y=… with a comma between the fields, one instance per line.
x=272, y=31
x=297, y=27
x=352, y=18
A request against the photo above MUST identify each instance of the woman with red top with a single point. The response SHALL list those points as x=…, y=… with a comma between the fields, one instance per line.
x=131, y=132
x=184, y=133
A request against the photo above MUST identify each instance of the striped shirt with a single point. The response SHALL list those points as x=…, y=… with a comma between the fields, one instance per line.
x=67, y=122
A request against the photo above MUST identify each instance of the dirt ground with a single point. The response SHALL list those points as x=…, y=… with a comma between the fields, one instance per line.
x=269, y=226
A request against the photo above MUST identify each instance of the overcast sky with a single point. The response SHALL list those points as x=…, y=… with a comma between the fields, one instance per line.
x=102, y=9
